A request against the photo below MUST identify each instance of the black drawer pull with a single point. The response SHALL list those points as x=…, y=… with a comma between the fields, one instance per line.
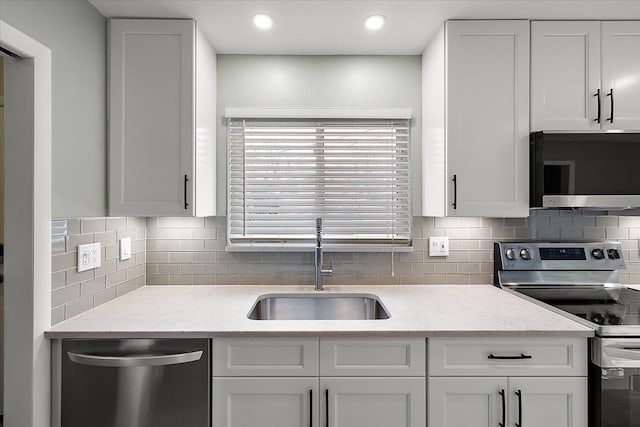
x=519, y=394
x=504, y=410
x=610, y=119
x=186, y=180
x=326, y=407
x=455, y=191
x=311, y=408
x=521, y=356
x=597, y=119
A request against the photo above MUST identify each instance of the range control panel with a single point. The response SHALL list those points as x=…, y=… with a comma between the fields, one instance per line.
x=559, y=255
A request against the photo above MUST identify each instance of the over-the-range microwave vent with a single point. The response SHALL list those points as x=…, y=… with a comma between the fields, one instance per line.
x=593, y=171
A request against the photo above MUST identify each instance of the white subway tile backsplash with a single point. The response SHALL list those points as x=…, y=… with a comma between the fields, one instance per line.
x=65, y=295
x=470, y=259
x=92, y=286
x=58, y=245
x=105, y=295
x=168, y=268
x=74, y=277
x=607, y=221
x=58, y=280
x=117, y=277
x=186, y=251
x=116, y=224
x=73, y=226
x=106, y=238
x=617, y=233
x=78, y=239
x=57, y=314
x=73, y=292
x=92, y=225
x=126, y=287
x=137, y=271
x=192, y=245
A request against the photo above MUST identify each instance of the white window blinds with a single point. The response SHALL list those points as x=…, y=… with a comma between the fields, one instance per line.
x=285, y=173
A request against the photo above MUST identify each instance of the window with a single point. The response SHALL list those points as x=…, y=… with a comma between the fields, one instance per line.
x=285, y=173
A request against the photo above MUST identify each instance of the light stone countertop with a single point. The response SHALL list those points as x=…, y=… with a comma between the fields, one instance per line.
x=211, y=311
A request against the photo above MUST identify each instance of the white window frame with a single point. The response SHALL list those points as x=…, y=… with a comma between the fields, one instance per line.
x=302, y=241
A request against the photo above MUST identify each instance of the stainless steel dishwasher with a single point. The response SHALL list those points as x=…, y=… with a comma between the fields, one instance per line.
x=135, y=383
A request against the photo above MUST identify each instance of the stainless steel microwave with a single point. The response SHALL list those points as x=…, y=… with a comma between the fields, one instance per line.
x=585, y=170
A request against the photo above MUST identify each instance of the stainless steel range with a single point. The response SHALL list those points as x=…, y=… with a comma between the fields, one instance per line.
x=580, y=280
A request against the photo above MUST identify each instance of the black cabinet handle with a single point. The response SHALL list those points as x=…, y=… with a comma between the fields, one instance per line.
x=504, y=409
x=597, y=119
x=519, y=394
x=186, y=180
x=610, y=119
x=455, y=191
x=326, y=407
x=311, y=408
x=521, y=356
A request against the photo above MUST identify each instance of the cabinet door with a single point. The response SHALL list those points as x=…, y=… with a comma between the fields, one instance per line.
x=621, y=73
x=565, y=75
x=373, y=402
x=487, y=118
x=265, y=402
x=151, y=117
x=467, y=402
x=548, y=402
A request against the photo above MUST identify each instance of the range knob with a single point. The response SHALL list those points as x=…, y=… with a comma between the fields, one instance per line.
x=510, y=254
x=597, y=253
x=613, y=253
x=525, y=254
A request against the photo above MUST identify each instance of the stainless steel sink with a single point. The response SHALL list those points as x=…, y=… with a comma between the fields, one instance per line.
x=318, y=307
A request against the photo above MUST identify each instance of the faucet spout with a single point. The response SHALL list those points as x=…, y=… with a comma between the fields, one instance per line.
x=320, y=272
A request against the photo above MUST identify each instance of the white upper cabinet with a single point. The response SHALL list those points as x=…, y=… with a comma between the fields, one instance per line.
x=585, y=75
x=476, y=120
x=621, y=74
x=161, y=135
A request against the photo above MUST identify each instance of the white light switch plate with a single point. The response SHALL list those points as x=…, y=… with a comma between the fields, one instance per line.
x=438, y=246
x=89, y=256
x=125, y=248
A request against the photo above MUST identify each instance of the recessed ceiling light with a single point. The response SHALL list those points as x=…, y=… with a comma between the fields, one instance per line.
x=262, y=21
x=375, y=22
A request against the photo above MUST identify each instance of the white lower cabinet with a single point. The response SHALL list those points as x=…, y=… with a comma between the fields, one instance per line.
x=373, y=402
x=265, y=402
x=548, y=402
x=496, y=401
x=503, y=381
x=299, y=402
x=309, y=382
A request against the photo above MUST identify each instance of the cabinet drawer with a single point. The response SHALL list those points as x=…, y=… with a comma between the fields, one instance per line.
x=243, y=357
x=508, y=356
x=372, y=357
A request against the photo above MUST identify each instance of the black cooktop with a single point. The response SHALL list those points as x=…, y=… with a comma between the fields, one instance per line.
x=597, y=304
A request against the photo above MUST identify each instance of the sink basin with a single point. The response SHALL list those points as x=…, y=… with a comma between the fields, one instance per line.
x=318, y=307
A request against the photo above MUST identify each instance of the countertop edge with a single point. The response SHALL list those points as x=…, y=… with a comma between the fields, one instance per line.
x=587, y=333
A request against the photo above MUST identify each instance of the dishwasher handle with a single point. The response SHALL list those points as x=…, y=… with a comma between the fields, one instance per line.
x=134, y=361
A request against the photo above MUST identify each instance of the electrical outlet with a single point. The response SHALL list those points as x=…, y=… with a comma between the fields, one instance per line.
x=438, y=246
x=89, y=256
x=125, y=248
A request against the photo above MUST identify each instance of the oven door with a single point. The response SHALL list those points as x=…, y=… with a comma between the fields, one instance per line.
x=614, y=383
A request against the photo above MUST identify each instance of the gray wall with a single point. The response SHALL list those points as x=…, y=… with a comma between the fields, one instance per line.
x=76, y=34
x=320, y=82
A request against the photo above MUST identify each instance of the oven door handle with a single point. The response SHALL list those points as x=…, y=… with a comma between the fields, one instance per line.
x=631, y=353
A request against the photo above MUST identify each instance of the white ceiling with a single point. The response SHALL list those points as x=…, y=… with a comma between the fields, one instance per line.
x=335, y=27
